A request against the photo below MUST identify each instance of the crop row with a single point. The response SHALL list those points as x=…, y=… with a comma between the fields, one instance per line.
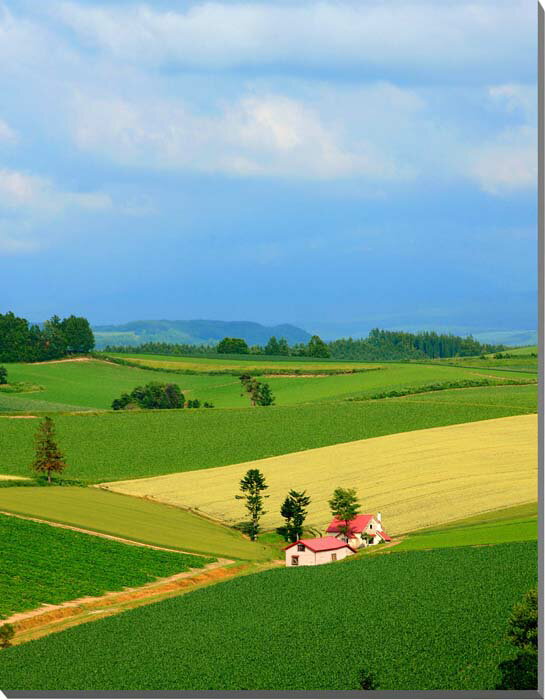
x=44, y=564
x=417, y=620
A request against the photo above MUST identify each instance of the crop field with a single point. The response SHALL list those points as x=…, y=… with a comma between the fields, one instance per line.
x=436, y=621
x=519, y=361
x=48, y=565
x=261, y=363
x=520, y=398
x=516, y=524
x=127, y=445
x=130, y=518
x=95, y=384
x=415, y=479
x=76, y=386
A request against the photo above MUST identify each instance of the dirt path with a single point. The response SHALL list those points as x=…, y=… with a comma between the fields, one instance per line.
x=105, y=536
x=67, y=359
x=55, y=618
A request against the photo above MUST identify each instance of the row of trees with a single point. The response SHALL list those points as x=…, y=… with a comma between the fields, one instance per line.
x=238, y=346
x=379, y=345
x=21, y=341
x=344, y=506
x=156, y=395
x=260, y=393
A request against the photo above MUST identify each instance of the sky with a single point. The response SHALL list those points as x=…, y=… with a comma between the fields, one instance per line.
x=337, y=164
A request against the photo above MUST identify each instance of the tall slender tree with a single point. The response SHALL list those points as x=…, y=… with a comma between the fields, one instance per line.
x=48, y=457
x=252, y=486
x=294, y=513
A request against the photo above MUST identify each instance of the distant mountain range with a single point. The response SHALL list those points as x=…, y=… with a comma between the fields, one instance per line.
x=194, y=332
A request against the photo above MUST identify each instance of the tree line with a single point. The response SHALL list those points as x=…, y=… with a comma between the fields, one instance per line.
x=379, y=345
x=344, y=505
x=21, y=341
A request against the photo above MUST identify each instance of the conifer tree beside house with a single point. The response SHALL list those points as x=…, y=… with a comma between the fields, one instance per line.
x=294, y=513
x=48, y=457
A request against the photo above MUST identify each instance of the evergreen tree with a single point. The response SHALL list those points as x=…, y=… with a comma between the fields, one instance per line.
x=283, y=347
x=344, y=506
x=233, y=346
x=53, y=339
x=48, y=458
x=265, y=397
x=78, y=334
x=252, y=486
x=520, y=673
x=294, y=513
x=317, y=348
x=3, y=375
x=272, y=347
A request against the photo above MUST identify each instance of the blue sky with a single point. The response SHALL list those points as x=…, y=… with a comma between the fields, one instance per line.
x=336, y=164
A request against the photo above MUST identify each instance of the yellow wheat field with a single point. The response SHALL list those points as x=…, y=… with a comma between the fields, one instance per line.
x=415, y=479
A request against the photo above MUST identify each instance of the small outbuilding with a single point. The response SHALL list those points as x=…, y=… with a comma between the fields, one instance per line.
x=319, y=550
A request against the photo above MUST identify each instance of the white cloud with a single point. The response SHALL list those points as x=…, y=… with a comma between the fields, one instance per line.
x=27, y=202
x=507, y=161
x=23, y=191
x=7, y=134
x=407, y=34
x=260, y=135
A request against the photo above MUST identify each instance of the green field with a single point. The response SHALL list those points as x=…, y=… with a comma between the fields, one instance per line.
x=515, y=524
x=418, y=620
x=76, y=386
x=131, y=518
x=48, y=565
x=519, y=361
x=124, y=445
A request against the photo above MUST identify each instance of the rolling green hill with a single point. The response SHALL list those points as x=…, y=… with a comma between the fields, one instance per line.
x=81, y=385
x=194, y=332
x=124, y=445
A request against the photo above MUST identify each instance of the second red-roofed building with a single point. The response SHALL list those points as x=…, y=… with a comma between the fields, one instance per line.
x=363, y=530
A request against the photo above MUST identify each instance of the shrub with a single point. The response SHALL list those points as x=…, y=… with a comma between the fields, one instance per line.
x=152, y=395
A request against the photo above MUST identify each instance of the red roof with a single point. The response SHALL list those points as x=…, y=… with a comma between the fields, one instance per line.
x=384, y=536
x=359, y=524
x=321, y=544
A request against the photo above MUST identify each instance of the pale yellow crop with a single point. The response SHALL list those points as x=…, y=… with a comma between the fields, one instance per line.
x=415, y=479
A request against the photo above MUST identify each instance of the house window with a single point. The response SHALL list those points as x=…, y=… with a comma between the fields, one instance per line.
x=371, y=526
x=295, y=561
x=333, y=557
x=300, y=547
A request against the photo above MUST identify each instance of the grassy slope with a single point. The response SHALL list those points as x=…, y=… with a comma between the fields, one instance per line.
x=131, y=518
x=69, y=385
x=43, y=564
x=419, y=620
x=515, y=524
x=129, y=445
x=415, y=479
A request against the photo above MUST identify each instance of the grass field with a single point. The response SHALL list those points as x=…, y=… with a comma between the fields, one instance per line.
x=516, y=524
x=48, y=565
x=418, y=620
x=76, y=386
x=128, y=445
x=415, y=479
x=130, y=518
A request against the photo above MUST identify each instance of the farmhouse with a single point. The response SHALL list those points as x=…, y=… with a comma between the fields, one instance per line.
x=319, y=550
x=363, y=530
